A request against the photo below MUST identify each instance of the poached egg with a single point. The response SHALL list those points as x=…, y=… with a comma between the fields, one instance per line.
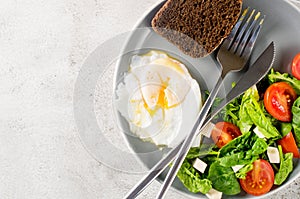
x=158, y=98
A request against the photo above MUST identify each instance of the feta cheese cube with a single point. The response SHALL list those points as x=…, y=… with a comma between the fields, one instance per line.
x=206, y=132
x=207, y=129
x=237, y=167
x=258, y=133
x=273, y=154
x=214, y=194
x=196, y=141
x=199, y=165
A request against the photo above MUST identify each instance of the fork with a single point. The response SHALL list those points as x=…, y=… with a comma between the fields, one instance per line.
x=232, y=56
x=236, y=49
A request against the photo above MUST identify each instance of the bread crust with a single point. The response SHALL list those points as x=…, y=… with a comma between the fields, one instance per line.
x=196, y=27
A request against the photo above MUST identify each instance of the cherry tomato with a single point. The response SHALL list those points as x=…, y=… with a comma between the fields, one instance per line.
x=260, y=179
x=296, y=66
x=278, y=100
x=288, y=145
x=224, y=132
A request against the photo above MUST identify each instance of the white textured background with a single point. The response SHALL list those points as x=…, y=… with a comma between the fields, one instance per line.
x=43, y=44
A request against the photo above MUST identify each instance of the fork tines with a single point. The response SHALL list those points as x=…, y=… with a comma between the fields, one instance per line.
x=245, y=32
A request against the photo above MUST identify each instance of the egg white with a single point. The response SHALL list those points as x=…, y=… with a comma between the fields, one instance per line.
x=159, y=98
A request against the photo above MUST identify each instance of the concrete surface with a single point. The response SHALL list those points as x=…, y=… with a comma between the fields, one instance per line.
x=43, y=45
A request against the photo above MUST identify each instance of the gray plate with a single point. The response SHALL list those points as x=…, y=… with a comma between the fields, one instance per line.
x=281, y=26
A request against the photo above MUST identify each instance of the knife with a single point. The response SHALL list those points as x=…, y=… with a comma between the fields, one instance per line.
x=261, y=67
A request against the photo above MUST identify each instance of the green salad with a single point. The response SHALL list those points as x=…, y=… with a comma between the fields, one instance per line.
x=253, y=142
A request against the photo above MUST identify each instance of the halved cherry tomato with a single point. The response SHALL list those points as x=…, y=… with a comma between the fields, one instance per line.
x=288, y=145
x=224, y=132
x=260, y=179
x=296, y=66
x=278, y=100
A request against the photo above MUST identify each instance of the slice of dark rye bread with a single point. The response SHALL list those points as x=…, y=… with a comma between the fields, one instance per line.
x=196, y=27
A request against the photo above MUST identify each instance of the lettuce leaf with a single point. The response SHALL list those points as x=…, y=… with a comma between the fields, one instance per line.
x=296, y=120
x=223, y=179
x=286, y=166
x=203, y=150
x=230, y=112
x=254, y=113
x=242, y=173
x=242, y=150
x=245, y=123
x=285, y=77
x=191, y=179
x=285, y=128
